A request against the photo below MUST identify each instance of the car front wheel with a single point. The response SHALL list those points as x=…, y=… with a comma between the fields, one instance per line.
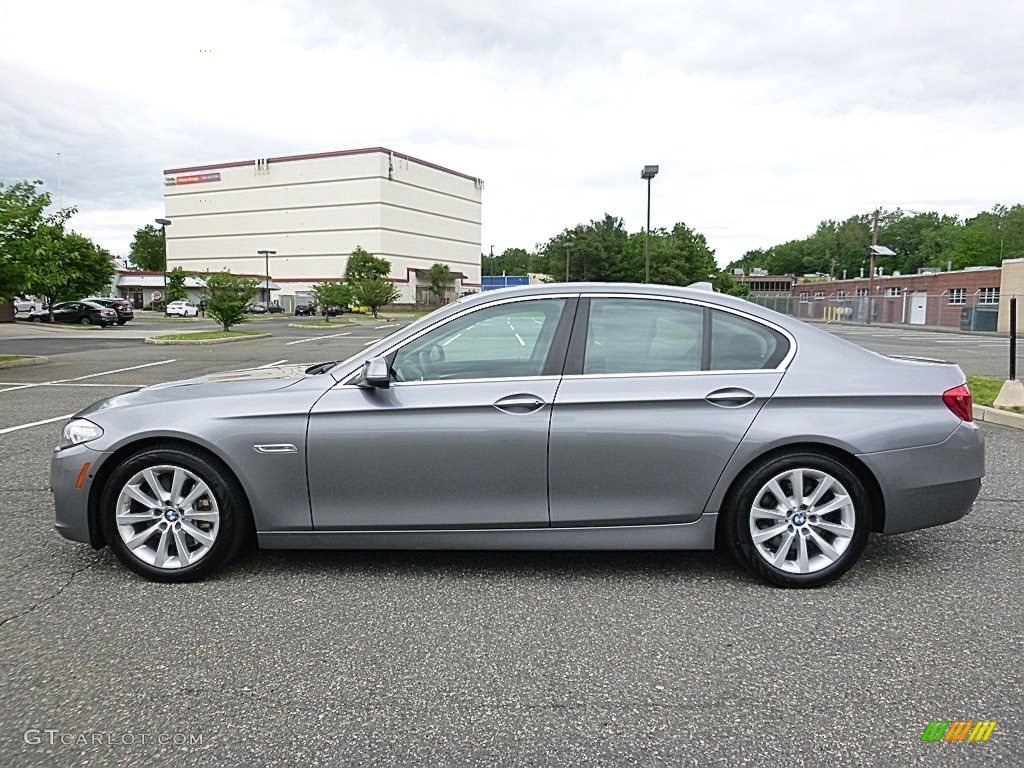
x=173, y=515
x=85, y=321
x=798, y=520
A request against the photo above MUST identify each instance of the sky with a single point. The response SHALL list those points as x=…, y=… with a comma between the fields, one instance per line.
x=765, y=118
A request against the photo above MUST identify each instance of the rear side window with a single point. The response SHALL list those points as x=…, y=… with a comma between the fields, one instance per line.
x=643, y=336
x=739, y=344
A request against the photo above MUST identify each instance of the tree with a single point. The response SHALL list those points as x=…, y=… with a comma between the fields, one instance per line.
x=332, y=293
x=724, y=283
x=147, y=250
x=61, y=266
x=229, y=296
x=439, y=276
x=22, y=213
x=176, y=285
x=596, y=252
x=511, y=261
x=376, y=293
x=365, y=266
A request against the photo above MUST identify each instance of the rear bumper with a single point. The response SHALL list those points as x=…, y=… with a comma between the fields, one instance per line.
x=932, y=485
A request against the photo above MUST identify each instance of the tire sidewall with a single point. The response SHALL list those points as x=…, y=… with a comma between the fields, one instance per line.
x=230, y=502
x=738, y=531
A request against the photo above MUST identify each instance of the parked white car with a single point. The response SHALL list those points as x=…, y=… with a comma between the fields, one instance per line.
x=182, y=309
x=28, y=304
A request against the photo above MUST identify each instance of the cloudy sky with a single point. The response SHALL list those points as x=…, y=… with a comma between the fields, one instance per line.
x=764, y=117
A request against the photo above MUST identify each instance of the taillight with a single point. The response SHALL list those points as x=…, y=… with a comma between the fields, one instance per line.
x=958, y=400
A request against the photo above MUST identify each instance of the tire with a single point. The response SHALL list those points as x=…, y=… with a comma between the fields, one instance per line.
x=220, y=513
x=86, y=321
x=36, y=319
x=121, y=322
x=819, y=548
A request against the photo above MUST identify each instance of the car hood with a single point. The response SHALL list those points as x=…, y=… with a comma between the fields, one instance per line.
x=226, y=384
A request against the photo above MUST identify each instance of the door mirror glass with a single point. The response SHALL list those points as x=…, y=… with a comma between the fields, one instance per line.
x=376, y=374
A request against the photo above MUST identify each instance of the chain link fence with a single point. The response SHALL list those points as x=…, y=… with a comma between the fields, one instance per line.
x=956, y=311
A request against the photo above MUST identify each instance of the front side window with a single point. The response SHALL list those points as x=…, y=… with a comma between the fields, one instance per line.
x=503, y=341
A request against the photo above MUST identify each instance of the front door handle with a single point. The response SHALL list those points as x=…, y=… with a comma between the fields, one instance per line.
x=731, y=397
x=519, y=404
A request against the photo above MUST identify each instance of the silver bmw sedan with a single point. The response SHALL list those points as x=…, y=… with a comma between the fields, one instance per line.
x=572, y=416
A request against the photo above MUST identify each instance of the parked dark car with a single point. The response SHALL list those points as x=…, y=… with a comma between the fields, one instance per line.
x=304, y=310
x=121, y=306
x=330, y=311
x=256, y=309
x=275, y=309
x=81, y=312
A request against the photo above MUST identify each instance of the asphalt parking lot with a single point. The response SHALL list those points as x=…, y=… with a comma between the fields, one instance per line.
x=435, y=659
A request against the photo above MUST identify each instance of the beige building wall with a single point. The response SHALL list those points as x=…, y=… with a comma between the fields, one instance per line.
x=314, y=210
x=1011, y=284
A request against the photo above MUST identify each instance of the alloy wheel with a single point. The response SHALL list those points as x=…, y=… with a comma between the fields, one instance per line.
x=802, y=520
x=167, y=516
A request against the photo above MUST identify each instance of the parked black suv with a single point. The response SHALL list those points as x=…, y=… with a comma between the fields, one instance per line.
x=123, y=308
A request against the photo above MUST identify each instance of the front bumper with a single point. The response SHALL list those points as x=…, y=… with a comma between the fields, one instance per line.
x=71, y=503
x=931, y=485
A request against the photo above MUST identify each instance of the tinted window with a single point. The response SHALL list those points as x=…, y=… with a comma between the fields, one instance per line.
x=507, y=340
x=739, y=344
x=643, y=336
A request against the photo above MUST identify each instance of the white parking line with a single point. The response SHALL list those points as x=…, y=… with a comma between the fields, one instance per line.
x=16, y=384
x=35, y=423
x=378, y=327
x=315, y=338
x=88, y=376
x=271, y=365
x=371, y=341
x=520, y=340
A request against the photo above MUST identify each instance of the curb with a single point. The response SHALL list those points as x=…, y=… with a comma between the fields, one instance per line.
x=202, y=342
x=996, y=416
x=24, y=360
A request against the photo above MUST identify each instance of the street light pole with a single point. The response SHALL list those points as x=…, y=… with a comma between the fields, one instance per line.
x=568, y=246
x=164, y=224
x=266, y=261
x=648, y=173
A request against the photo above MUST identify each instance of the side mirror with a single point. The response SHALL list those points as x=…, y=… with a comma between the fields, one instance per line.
x=376, y=374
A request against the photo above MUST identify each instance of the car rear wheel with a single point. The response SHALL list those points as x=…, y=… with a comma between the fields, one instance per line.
x=85, y=321
x=798, y=520
x=121, y=322
x=173, y=515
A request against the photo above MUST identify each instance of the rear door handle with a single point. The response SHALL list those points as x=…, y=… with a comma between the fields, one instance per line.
x=519, y=404
x=731, y=397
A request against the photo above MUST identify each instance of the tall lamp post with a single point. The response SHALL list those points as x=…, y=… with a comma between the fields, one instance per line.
x=568, y=247
x=266, y=260
x=164, y=224
x=649, y=172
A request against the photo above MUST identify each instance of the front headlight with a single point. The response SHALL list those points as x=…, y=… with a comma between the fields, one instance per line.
x=79, y=431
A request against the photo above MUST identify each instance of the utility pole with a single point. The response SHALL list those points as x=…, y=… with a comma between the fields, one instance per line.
x=568, y=246
x=871, y=270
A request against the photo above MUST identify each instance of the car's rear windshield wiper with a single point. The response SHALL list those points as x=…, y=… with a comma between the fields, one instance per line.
x=321, y=367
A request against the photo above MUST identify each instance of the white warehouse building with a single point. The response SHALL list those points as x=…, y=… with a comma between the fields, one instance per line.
x=315, y=209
